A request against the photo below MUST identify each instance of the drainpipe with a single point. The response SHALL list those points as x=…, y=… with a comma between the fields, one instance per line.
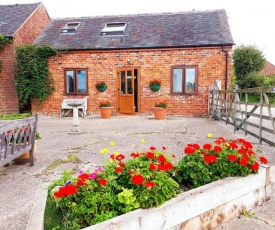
x=226, y=67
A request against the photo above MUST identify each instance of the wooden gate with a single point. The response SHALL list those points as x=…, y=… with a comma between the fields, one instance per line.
x=254, y=118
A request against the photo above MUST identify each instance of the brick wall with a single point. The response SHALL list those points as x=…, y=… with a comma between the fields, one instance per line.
x=102, y=65
x=8, y=94
x=25, y=35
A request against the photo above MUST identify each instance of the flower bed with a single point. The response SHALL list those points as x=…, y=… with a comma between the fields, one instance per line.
x=202, y=208
x=150, y=179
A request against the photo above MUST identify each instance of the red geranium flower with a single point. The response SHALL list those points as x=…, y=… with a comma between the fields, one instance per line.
x=119, y=170
x=196, y=146
x=218, y=149
x=233, y=145
x=242, y=151
x=149, y=184
x=208, y=159
x=244, y=161
x=82, y=179
x=167, y=167
x=150, y=155
x=84, y=176
x=81, y=182
x=135, y=155
x=153, y=167
x=207, y=146
x=189, y=150
x=248, y=145
x=137, y=179
x=232, y=157
x=163, y=148
x=121, y=164
x=102, y=182
x=152, y=148
x=263, y=160
x=254, y=166
x=161, y=167
x=250, y=152
x=120, y=157
x=161, y=159
x=65, y=191
x=70, y=189
x=220, y=140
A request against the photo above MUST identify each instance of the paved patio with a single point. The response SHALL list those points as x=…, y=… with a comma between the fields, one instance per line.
x=19, y=183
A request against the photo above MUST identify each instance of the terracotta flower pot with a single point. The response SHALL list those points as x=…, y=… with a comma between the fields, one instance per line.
x=160, y=113
x=25, y=158
x=106, y=112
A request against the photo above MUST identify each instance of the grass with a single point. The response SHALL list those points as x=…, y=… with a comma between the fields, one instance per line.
x=52, y=216
x=256, y=98
x=14, y=116
x=71, y=158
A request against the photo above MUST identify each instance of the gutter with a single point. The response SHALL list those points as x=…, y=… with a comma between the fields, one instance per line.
x=136, y=48
x=226, y=67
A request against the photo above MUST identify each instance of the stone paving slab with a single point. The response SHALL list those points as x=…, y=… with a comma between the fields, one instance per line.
x=20, y=183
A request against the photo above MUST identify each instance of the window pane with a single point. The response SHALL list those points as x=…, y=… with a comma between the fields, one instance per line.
x=129, y=82
x=81, y=81
x=177, y=80
x=190, y=80
x=70, y=81
x=122, y=82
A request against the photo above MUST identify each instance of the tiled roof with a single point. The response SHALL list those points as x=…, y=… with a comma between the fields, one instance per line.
x=202, y=28
x=269, y=69
x=12, y=17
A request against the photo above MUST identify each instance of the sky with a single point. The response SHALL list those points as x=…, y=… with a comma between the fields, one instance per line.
x=252, y=22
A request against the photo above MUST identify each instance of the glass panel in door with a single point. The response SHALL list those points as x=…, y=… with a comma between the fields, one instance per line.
x=126, y=96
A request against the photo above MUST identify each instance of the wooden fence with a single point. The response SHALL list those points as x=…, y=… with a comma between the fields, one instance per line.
x=254, y=118
x=16, y=138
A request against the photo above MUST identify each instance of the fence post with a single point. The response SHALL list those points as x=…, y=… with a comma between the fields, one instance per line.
x=246, y=117
x=269, y=111
x=261, y=118
x=210, y=93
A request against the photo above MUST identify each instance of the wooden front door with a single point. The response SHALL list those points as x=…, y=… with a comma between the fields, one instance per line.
x=127, y=91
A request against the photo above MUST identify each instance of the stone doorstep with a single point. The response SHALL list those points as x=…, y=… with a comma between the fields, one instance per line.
x=206, y=206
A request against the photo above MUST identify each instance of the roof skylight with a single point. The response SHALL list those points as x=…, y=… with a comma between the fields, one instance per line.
x=114, y=29
x=2, y=23
x=71, y=27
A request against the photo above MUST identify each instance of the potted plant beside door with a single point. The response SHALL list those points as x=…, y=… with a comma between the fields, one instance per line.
x=105, y=109
x=160, y=110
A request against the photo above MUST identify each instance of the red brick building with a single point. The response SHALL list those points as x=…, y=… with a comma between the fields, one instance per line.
x=21, y=23
x=269, y=69
x=187, y=51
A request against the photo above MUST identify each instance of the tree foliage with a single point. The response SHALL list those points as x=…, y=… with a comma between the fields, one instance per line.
x=32, y=73
x=247, y=59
